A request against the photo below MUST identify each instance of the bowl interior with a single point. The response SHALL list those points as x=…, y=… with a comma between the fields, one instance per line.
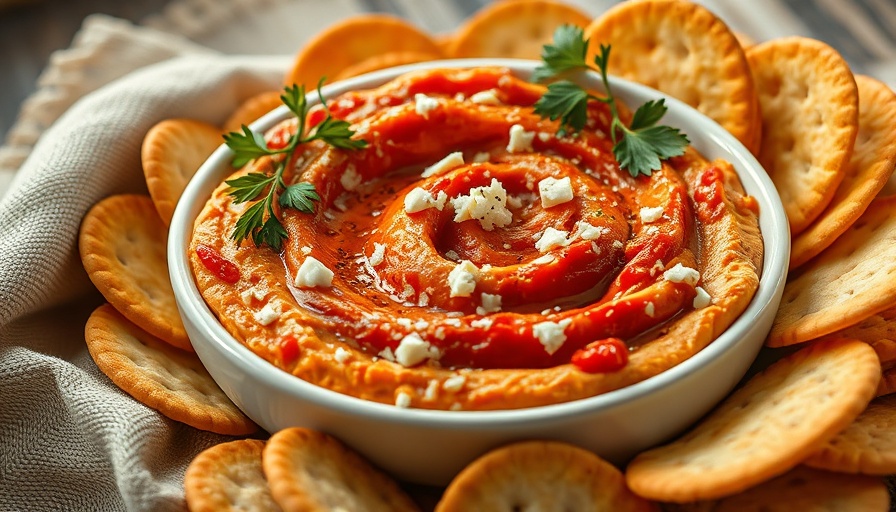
x=670, y=401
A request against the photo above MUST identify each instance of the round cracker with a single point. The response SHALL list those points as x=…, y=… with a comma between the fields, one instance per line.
x=312, y=471
x=160, y=376
x=540, y=475
x=517, y=29
x=867, y=446
x=683, y=50
x=809, y=103
x=765, y=428
x=353, y=40
x=805, y=490
x=252, y=109
x=172, y=152
x=878, y=330
x=871, y=165
x=228, y=478
x=847, y=283
x=123, y=245
x=385, y=60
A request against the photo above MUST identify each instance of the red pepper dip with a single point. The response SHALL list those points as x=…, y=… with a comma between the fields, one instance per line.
x=471, y=258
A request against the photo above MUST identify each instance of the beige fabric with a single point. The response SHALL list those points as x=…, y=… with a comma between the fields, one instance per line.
x=69, y=439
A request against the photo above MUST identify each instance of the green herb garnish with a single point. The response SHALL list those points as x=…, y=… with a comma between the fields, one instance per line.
x=260, y=221
x=639, y=147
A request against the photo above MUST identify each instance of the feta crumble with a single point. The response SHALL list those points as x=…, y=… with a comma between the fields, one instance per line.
x=268, y=314
x=487, y=204
x=424, y=104
x=412, y=350
x=420, y=199
x=451, y=161
x=490, y=304
x=312, y=273
x=551, y=238
x=682, y=274
x=702, y=299
x=551, y=334
x=462, y=279
x=649, y=214
x=379, y=254
x=342, y=355
x=520, y=139
x=554, y=191
x=454, y=384
x=489, y=97
x=403, y=400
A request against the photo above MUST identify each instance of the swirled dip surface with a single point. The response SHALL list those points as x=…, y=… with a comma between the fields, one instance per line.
x=471, y=258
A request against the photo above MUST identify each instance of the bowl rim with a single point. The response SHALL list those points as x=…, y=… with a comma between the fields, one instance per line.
x=215, y=168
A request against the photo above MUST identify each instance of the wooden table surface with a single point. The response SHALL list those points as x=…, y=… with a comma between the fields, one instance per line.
x=30, y=30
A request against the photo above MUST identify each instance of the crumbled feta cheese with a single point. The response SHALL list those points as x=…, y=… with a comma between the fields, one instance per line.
x=306, y=250
x=544, y=136
x=488, y=97
x=432, y=390
x=702, y=299
x=379, y=254
x=451, y=161
x=403, y=400
x=454, y=384
x=256, y=291
x=312, y=273
x=462, y=279
x=547, y=258
x=420, y=199
x=551, y=334
x=387, y=354
x=481, y=157
x=268, y=314
x=649, y=309
x=520, y=139
x=617, y=244
x=587, y=231
x=341, y=355
x=482, y=323
x=490, y=304
x=682, y=274
x=424, y=104
x=551, y=238
x=554, y=191
x=413, y=350
x=649, y=214
x=350, y=179
x=452, y=255
x=487, y=204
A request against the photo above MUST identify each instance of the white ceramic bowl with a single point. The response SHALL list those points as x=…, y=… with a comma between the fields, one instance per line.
x=432, y=446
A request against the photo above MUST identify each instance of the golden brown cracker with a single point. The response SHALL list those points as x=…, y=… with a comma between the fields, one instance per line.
x=517, y=29
x=809, y=103
x=845, y=284
x=765, y=428
x=887, y=384
x=867, y=445
x=160, y=376
x=172, y=152
x=252, y=109
x=123, y=245
x=540, y=475
x=383, y=61
x=353, y=40
x=683, y=50
x=228, y=478
x=312, y=471
x=871, y=165
x=878, y=330
x=802, y=489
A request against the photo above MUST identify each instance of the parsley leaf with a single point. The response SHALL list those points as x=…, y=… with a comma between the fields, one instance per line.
x=260, y=221
x=639, y=147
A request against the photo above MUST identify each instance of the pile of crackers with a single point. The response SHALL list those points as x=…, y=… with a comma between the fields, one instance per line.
x=811, y=432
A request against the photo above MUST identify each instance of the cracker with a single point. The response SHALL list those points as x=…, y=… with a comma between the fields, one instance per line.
x=159, y=376
x=516, y=29
x=871, y=165
x=809, y=103
x=312, y=471
x=802, y=489
x=228, y=477
x=353, y=40
x=123, y=246
x=887, y=384
x=847, y=283
x=867, y=446
x=172, y=152
x=252, y=109
x=765, y=428
x=540, y=475
x=878, y=330
x=385, y=60
x=683, y=50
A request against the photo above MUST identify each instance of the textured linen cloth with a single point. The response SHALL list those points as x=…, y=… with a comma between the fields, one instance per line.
x=69, y=438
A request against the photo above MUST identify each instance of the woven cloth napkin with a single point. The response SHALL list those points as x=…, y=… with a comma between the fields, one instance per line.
x=69, y=439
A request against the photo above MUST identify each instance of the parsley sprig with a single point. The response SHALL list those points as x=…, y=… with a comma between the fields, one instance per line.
x=639, y=147
x=260, y=221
